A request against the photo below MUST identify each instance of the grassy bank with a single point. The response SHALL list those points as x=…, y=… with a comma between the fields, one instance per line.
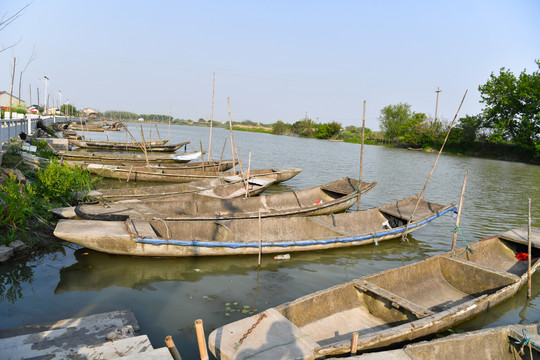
x=27, y=194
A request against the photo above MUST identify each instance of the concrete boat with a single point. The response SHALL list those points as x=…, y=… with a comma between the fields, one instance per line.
x=181, y=175
x=333, y=197
x=389, y=307
x=249, y=236
x=510, y=342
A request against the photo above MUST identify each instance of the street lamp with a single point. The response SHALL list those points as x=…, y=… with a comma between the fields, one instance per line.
x=60, y=98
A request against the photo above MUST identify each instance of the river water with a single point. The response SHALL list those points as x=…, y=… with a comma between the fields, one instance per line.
x=168, y=295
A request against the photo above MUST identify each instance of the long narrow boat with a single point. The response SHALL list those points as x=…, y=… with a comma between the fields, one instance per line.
x=101, y=157
x=159, y=145
x=333, y=197
x=97, y=127
x=243, y=237
x=181, y=175
x=389, y=307
x=223, y=187
x=510, y=342
x=157, y=167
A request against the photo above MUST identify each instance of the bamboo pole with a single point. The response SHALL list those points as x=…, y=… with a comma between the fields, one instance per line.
x=157, y=130
x=144, y=148
x=211, y=118
x=232, y=139
x=240, y=163
x=459, y=211
x=260, y=238
x=170, y=105
x=172, y=348
x=202, y=156
x=361, y=157
x=432, y=169
x=247, y=175
x=354, y=343
x=201, y=339
x=529, y=257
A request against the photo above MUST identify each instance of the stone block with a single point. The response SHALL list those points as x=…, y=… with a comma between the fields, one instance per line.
x=17, y=245
x=5, y=253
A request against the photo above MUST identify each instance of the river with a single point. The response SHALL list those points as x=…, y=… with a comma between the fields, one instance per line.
x=168, y=295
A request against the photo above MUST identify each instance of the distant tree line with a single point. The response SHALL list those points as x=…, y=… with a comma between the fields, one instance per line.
x=508, y=126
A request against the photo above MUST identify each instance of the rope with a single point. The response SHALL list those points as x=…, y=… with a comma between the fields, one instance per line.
x=457, y=229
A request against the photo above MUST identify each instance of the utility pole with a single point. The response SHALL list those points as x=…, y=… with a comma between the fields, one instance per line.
x=437, y=103
x=436, y=108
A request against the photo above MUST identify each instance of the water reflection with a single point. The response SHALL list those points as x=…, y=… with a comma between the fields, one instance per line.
x=12, y=279
x=94, y=271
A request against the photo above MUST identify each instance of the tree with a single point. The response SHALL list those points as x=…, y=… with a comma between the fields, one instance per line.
x=327, y=131
x=280, y=128
x=68, y=109
x=512, y=108
x=393, y=119
x=6, y=20
x=305, y=127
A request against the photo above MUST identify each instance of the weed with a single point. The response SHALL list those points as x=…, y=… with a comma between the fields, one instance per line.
x=16, y=205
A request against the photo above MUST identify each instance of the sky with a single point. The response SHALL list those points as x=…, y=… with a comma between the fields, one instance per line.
x=273, y=60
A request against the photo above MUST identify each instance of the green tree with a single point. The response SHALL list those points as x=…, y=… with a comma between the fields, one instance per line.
x=512, y=108
x=394, y=119
x=68, y=109
x=280, y=128
x=305, y=127
x=327, y=131
x=412, y=129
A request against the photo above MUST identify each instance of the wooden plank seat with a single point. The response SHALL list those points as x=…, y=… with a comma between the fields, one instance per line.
x=396, y=301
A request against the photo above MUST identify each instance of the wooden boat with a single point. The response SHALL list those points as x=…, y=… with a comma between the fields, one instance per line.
x=502, y=343
x=389, y=307
x=136, y=166
x=71, y=134
x=159, y=145
x=101, y=157
x=220, y=188
x=333, y=197
x=181, y=175
x=97, y=127
x=223, y=187
x=243, y=237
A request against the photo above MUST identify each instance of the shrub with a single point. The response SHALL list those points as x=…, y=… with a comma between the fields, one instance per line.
x=57, y=183
x=16, y=205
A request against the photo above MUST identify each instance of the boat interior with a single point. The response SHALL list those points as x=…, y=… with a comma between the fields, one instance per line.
x=397, y=296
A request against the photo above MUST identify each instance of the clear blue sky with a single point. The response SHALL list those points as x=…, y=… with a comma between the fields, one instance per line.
x=276, y=60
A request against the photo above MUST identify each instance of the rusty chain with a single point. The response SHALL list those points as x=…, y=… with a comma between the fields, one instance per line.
x=250, y=330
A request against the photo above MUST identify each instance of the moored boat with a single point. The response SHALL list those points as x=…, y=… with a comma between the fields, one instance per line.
x=333, y=197
x=389, y=307
x=102, y=157
x=182, y=175
x=509, y=342
x=249, y=236
x=223, y=187
x=158, y=145
x=137, y=166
